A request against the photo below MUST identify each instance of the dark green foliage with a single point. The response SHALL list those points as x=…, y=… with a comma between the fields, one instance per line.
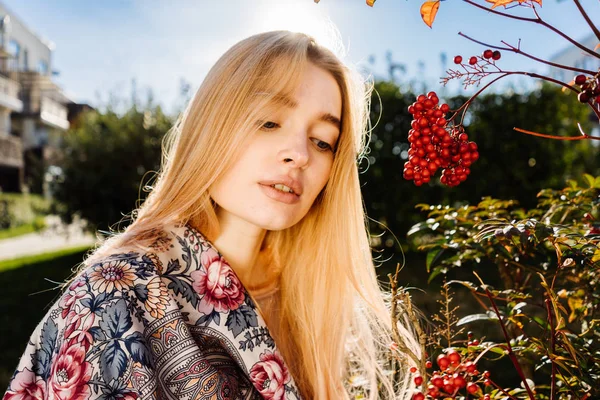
x=543, y=264
x=511, y=165
x=104, y=161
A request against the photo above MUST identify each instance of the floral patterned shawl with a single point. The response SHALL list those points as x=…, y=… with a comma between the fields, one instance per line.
x=175, y=323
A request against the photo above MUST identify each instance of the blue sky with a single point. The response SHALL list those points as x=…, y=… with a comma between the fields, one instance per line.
x=100, y=46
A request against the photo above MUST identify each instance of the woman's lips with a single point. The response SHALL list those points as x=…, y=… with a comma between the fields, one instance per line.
x=278, y=195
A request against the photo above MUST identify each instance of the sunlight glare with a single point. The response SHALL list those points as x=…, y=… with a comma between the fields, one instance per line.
x=297, y=16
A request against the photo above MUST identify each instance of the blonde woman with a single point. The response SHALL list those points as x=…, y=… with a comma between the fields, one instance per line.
x=247, y=272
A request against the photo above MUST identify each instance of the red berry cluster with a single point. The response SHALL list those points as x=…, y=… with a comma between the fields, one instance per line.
x=590, y=88
x=493, y=55
x=454, y=374
x=434, y=145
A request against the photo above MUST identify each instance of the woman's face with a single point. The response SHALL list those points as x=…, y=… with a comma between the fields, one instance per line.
x=293, y=148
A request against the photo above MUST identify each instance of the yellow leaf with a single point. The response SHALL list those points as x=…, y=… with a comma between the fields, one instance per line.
x=498, y=3
x=596, y=48
x=577, y=308
x=564, y=88
x=370, y=3
x=596, y=256
x=429, y=10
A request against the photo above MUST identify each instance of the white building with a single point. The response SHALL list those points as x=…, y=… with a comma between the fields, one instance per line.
x=575, y=57
x=33, y=109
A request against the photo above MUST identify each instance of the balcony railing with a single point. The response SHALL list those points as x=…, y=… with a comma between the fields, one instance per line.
x=11, y=151
x=54, y=113
x=9, y=94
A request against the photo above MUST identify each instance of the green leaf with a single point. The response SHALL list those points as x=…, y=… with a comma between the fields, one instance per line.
x=589, y=179
x=432, y=257
x=440, y=269
x=476, y=317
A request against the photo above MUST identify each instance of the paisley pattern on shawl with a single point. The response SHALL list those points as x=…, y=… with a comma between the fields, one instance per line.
x=174, y=323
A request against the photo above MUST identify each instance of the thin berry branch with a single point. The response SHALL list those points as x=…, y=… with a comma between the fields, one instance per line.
x=517, y=50
x=511, y=353
x=468, y=102
x=509, y=348
x=552, y=348
x=587, y=19
x=502, y=390
x=584, y=136
x=539, y=21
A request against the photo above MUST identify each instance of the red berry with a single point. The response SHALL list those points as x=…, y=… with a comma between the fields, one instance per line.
x=418, y=396
x=488, y=53
x=437, y=380
x=486, y=374
x=433, y=391
x=457, y=60
x=580, y=79
x=428, y=364
x=421, y=98
x=463, y=137
x=448, y=387
x=459, y=381
x=443, y=361
x=487, y=382
x=475, y=342
x=473, y=60
x=454, y=357
x=418, y=380
x=472, y=387
x=431, y=94
x=583, y=97
x=496, y=55
x=413, y=370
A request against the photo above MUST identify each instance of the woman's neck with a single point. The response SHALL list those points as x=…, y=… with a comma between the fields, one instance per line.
x=240, y=243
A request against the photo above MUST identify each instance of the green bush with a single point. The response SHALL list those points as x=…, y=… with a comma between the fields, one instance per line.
x=534, y=273
x=17, y=210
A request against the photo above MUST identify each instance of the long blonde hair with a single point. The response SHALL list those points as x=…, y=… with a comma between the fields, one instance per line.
x=330, y=297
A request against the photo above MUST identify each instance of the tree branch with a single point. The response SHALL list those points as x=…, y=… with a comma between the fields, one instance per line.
x=539, y=21
x=587, y=19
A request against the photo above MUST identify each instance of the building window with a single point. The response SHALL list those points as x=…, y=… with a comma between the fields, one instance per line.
x=25, y=60
x=14, y=48
x=42, y=67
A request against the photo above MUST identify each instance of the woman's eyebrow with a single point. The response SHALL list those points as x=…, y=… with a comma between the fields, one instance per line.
x=285, y=101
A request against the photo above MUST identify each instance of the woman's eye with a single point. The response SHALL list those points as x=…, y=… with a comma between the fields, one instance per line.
x=269, y=125
x=324, y=146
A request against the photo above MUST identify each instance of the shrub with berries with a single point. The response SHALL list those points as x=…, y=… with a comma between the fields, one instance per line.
x=544, y=299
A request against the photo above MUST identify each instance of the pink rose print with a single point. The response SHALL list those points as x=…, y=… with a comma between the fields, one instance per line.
x=78, y=323
x=26, y=386
x=270, y=375
x=76, y=291
x=221, y=289
x=70, y=374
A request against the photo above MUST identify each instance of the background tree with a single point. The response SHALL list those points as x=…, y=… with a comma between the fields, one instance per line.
x=104, y=160
x=512, y=165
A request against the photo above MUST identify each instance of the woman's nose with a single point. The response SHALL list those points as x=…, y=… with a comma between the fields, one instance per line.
x=295, y=152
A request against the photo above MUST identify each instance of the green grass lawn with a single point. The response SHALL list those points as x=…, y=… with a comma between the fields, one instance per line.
x=28, y=287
